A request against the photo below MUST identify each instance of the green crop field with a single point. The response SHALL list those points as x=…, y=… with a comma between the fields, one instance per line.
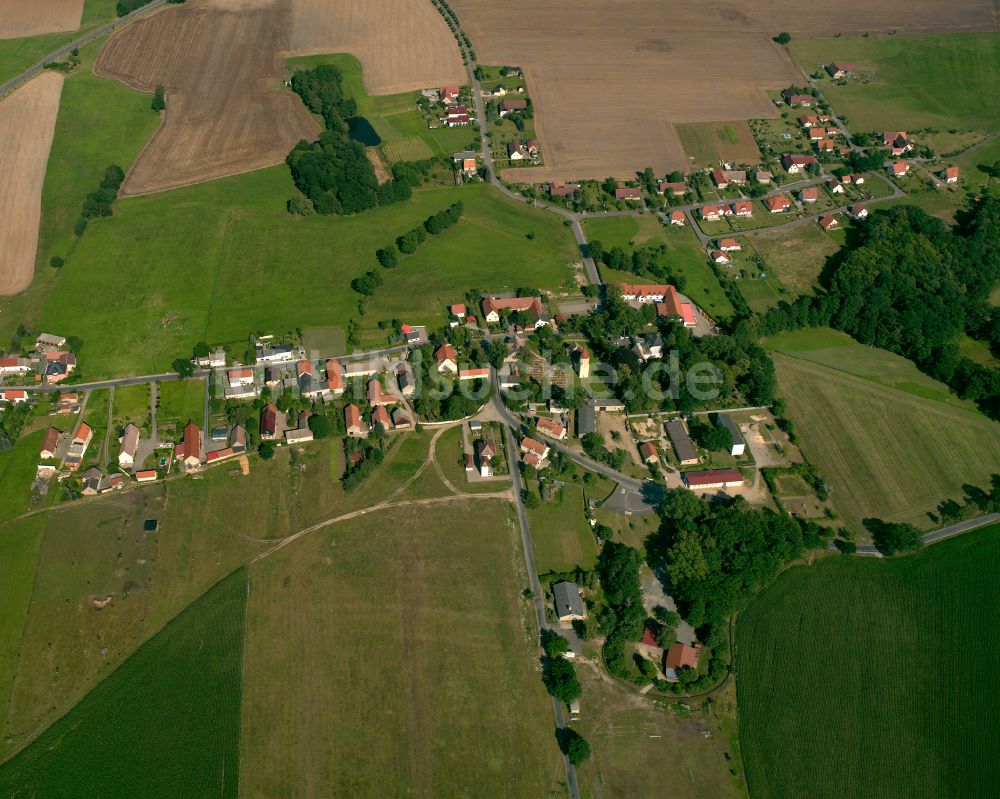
x=940, y=81
x=863, y=678
x=164, y=724
x=685, y=255
x=561, y=535
x=413, y=666
x=890, y=442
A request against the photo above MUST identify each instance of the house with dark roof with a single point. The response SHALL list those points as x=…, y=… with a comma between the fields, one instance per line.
x=568, y=602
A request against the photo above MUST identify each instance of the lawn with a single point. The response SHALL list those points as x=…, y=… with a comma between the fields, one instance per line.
x=561, y=535
x=132, y=405
x=180, y=402
x=795, y=256
x=408, y=671
x=938, y=81
x=171, y=710
x=711, y=142
x=889, y=441
x=888, y=692
x=450, y=456
x=17, y=470
x=684, y=254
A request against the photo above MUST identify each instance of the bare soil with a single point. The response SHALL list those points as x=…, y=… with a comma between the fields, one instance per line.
x=609, y=80
x=221, y=63
x=20, y=18
x=27, y=125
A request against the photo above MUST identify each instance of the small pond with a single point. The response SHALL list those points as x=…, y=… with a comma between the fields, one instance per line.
x=361, y=131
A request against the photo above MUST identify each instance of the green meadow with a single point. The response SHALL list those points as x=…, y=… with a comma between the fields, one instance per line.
x=861, y=677
x=941, y=81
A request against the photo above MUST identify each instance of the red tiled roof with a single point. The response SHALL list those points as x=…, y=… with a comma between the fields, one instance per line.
x=712, y=476
x=352, y=415
x=680, y=655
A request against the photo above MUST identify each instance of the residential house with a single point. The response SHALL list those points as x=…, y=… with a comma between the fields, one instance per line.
x=719, y=257
x=743, y=209
x=129, y=446
x=446, y=359
x=836, y=186
x=13, y=396
x=559, y=188
x=677, y=218
x=586, y=420
x=551, y=428
x=238, y=437
x=69, y=403
x=145, y=476
x=899, y=169
x=449, y=94
x=189, y=451
x=405, y=379
x=808, y=121
x=272, y=422
x=712, y=213
x=897, y=142
x=533, y=445
x=516, y=151
x=828, y=222
x=401, y=419
x=458, y=310
x=672, y=305
x=515, y=104
x=837, y=71
x=713, y=478
x=648, y=292
x=623, y=192
x=810, y=194
x=15, y=366
x=826, y=146
x=266, y=354
x=568, y=602
x=676, y=189
x=763, y=176
x=466, y=161
x=684, y=448
x=857, y=211
x=214, y=360
x=486, y=451
x=797, y=100
x=777, y=205
x=334, y=377
x=479, y=373
x=648, y=452
x=648, y=347
x=681, y=656
x=457, y=116
x=91, y=482
x=492, y=306
x=950, y=174
x=217, y=455
x=794, y=163
x=376, y=396
x=730, y=245
x=240, y=384
x=49, y=444
x=353, y=423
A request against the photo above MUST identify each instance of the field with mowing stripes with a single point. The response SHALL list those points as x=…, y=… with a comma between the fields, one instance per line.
x=861, y=678
x=889, y=441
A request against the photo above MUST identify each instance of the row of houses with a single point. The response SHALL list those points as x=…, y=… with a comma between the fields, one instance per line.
x=49, y=361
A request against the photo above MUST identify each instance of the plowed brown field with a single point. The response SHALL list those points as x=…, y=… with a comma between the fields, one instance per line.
x=609, y=78
x=222, y=64
x=27, y=125
x=22, y=18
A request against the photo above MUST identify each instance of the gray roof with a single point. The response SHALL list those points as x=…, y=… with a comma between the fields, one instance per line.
x=683, y=446
x=586, y=420
x=568, y=601
x=727, y=421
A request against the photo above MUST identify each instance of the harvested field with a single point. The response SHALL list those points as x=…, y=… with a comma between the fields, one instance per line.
x=18, y=18
x=402, y=44
x=27, y=125
x=610, y=79
x=222, y=65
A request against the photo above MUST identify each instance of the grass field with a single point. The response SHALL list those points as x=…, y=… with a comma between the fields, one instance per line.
x=17, y=470
x=560, y=533
x=889, y=441
x=223, y=259
x=450, y=456
x=936, y=81
x=685, y=255
x=711, y=142
x=172, y=710
x=132, y=405
x=181, y=401
x=408, y=671
x=796, y=256
x=863, y=678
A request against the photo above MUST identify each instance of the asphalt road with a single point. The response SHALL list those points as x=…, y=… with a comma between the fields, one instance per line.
x=28, y=74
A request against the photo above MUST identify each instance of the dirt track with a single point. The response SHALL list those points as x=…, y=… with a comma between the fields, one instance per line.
x=21, y=18
x=222, y=65
x=27, y=125
x=609, y=79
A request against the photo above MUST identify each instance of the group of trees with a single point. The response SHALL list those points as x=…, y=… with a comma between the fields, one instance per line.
x=159, y=100
x=710, y=436
x=12, y=421
x=618, y=569
x=99, y=202
x=358, y=470
x=651, y=260
x=334, y=173
x=913, y=286
x=128, y=6
x=976, y=501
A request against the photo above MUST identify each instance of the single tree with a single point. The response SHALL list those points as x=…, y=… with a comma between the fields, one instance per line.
x=159, y=101
x=783, y=38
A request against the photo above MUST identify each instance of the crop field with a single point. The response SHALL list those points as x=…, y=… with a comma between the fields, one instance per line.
x=402, y=44
x=218, y=64
x=916, y=81
x=406, y=672
x=863, y=678
x=19, y=19
x=710, y=142
x=685, y=255
x=889, y=441
x=171, y=710
x=218, y=261
x=606, y=98
x=796, y=256
x=561, y=535
x=27, y=125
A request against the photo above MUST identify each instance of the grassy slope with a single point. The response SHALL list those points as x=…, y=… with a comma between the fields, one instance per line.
x=685, y=255
x=889, y=441
x=921, y=81
x=171, y=711
x=864, y=678
x=410, y=671
x=17, y=470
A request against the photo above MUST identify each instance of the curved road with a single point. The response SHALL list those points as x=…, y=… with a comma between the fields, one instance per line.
x=97, y=33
